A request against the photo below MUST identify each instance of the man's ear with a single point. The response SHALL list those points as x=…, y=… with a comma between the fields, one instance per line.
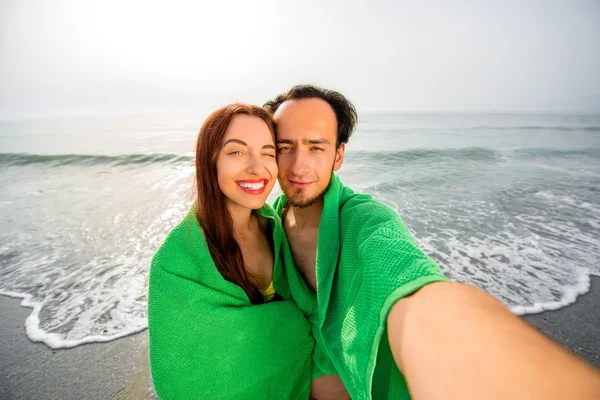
x=339, y=157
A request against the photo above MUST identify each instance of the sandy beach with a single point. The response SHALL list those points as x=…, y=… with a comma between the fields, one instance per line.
x=119, y=369
x=28, y=370
x=577, y=326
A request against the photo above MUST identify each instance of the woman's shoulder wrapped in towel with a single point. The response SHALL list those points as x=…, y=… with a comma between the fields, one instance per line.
x=207, y=340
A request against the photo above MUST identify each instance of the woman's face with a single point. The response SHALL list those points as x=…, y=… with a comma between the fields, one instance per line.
x=246, y=165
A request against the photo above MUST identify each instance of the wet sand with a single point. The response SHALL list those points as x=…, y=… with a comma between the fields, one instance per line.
x=28, y=370
x=576, y=326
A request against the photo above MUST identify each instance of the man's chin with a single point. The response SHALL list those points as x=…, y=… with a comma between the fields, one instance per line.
x=300, y=200
x=301, y=204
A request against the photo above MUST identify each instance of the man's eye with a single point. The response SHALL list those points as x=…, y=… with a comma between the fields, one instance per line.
x=317, y=149
x=284, y=148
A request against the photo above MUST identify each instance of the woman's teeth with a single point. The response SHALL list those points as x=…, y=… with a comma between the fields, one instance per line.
x=252, y=186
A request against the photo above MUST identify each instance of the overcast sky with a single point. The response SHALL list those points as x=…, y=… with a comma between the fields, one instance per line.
x=62, y=56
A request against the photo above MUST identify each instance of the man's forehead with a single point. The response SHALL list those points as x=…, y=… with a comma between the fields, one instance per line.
x=303, y=109
x=310, y=116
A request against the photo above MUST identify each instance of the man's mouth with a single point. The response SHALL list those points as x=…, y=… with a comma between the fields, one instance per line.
x=253, y=186
x=298, y=184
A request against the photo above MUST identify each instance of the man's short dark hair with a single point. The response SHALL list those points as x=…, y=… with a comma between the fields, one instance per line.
x=344, y=110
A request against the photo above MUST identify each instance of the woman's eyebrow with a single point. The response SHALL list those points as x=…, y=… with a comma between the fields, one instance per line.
x=236, y=141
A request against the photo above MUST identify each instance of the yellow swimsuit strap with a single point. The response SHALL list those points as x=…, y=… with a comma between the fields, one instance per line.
x=268, y=293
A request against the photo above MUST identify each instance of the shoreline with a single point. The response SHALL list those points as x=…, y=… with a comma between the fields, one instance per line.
x=30, y=370
x=576, y=326
x=119, y=369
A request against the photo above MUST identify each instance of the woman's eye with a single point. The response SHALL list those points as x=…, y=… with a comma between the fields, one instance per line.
x=269, y=155
x=235, y=153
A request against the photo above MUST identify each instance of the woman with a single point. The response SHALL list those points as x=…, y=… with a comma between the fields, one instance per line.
x=215, y=331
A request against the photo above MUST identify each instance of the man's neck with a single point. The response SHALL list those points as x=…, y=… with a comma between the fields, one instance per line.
x=307, y=217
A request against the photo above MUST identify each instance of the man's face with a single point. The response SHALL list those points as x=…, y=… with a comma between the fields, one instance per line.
x=306, y=149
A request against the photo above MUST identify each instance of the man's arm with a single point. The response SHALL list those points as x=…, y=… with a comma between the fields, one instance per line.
x=454, y=341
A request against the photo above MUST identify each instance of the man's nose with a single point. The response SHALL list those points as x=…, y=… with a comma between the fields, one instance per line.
x=300, y=164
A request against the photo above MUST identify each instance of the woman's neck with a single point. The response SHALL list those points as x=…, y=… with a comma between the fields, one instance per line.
x=244, y=221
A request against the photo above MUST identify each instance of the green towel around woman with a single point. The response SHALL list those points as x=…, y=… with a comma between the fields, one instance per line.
x=207, y=340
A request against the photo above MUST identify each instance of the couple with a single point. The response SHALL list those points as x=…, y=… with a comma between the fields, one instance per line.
x=325, y=295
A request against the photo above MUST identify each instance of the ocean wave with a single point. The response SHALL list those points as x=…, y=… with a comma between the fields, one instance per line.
x=382, y=157
x=467, y=153
x=21, y=159
x=538, y=128
x=562, y=128
x=593, y=152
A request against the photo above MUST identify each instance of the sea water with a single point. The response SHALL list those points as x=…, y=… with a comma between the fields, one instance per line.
x=506, y=202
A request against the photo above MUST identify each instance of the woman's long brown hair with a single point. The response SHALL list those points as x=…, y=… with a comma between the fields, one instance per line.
x=211, y=211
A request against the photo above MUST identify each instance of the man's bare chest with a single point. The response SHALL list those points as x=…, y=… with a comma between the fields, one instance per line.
x=304, y=253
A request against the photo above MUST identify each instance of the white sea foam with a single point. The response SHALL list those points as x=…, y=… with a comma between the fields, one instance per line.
x=83, y=268
x=569, y=297
x=533, y=249
x=54, y=340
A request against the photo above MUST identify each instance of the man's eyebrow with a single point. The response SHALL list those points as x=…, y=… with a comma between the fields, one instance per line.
x=236, y=141
x=316, y=141
x=284, y=141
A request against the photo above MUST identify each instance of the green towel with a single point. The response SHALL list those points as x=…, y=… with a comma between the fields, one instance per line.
x=207, y=341
x=366, y=261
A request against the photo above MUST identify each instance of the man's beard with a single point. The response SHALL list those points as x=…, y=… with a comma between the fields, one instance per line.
x=298, y=200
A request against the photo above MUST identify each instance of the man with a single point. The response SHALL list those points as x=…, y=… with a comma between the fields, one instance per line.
x=384, y=317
